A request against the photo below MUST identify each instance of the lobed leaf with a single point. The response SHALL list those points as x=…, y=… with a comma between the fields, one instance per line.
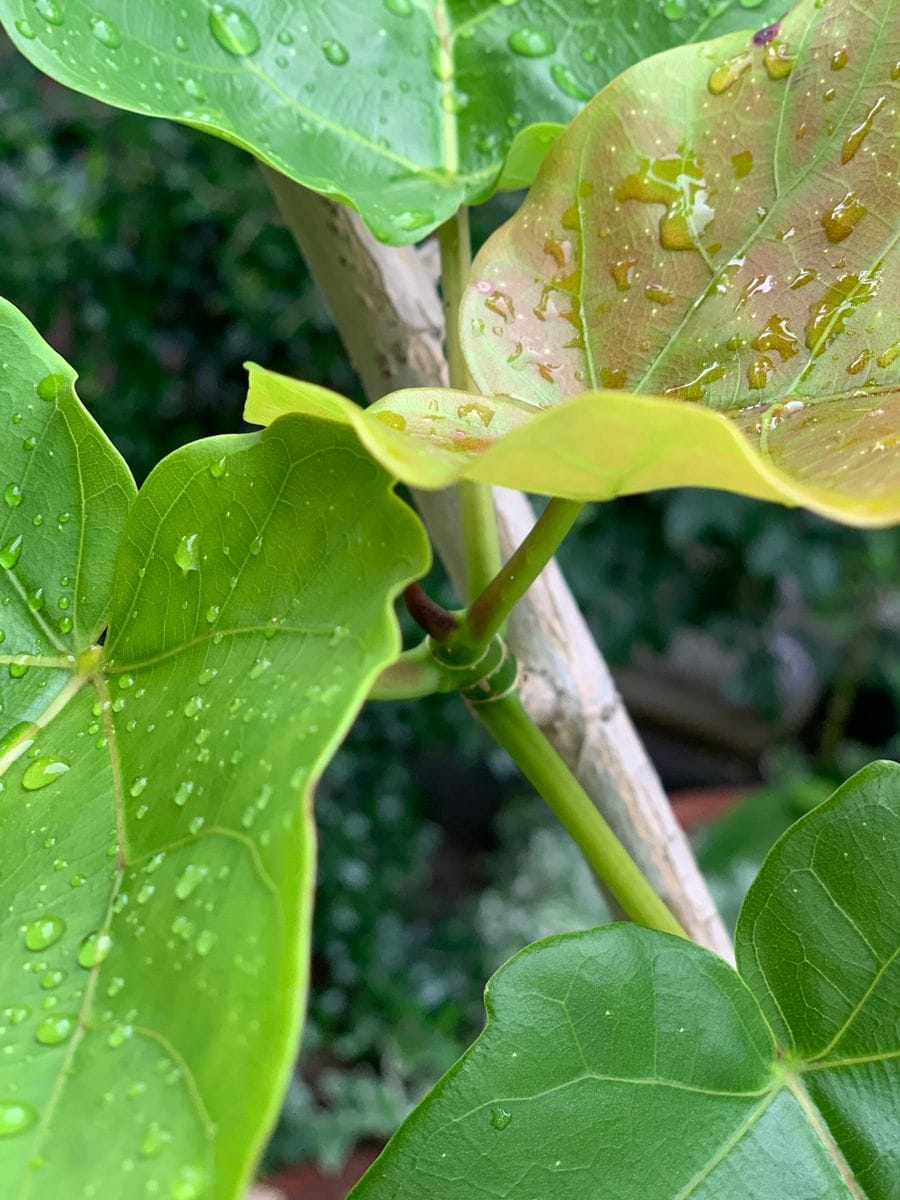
x=176, y=670
x=404, y=109
x=627, y=1063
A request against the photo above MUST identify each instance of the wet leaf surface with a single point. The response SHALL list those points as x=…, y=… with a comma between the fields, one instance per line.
x=624, y=1062
x=697, y=291
x=156, y=830
x=404, y=108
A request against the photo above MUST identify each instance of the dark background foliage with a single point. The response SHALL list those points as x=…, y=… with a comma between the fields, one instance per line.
x=751, y=642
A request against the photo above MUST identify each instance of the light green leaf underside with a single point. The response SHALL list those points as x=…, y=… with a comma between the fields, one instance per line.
x=720, y=226
x=403, y=108
x=250, y=611
x=594, y=447
x=623, y=1062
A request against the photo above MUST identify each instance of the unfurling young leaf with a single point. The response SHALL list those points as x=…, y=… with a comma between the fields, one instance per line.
x=710, y=252
x=623, y=1062
x=175, y=671
x=403, y=108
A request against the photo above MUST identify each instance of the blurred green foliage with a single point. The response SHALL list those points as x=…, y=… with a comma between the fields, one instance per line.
x=149, y=256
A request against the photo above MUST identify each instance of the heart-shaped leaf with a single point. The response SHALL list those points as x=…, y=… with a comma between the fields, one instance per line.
x=623, y=1062
x=719, y=231
x=155, y=800
x=403, y=108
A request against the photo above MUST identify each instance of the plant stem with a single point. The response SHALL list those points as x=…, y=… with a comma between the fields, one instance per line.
x=490, y=610
x=479, y=522
x=514, y=730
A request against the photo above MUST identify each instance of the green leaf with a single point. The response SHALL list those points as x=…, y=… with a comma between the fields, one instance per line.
x=623, y=1062
x=731, y=849
x=719, y=227
x=155, y=814
x=404, y=109
x=763, y=354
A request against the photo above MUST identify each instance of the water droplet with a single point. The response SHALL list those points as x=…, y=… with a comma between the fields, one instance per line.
x=414, y=218
x=742, y=163
x=51, y=387
x=194, y=89
x=50, y=11
x=860, y=362
x=802, y=278
x=26, y=30
x=674, y=10
x=399, y=8
x=94, y=949
x=500, y=1118
x=212, y=614
x=15, y=1117
x=259, y=666
x=857, y=136
x=233, y=29
x=758, y=372
x=566, y=81
x=17, y=1014
x=11, y=552
x=42, y=772
x=531, y=42
x=658, y=294
x=18, y=668
x=189, y=879
x=335, y=52
x=892, y=352
x=106, y=33
x=190, y=1184
x=839, y=301
x=55, y=1030
x=839, y=59
x=183, y=794
x=13, y=495
x=138, y=786
x=154, y=1139
x=841, y=219
x=678, y=183
x=52, y=979
x=623, y=272
x=779, y=63
x=217, y=469
x=204, y=943
x=22, y=734
x=728, y=73
x=613, y=378
x=187, y=553
x=777, y=337
x=695, y=389
x=194, y=705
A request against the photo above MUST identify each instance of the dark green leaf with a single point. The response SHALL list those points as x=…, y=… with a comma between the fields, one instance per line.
x=403, y=108
x=622, y=1062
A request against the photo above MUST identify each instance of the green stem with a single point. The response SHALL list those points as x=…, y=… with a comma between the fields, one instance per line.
x=479, y=523
x=489, y=612
x=514, y=730
x=415, y=673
